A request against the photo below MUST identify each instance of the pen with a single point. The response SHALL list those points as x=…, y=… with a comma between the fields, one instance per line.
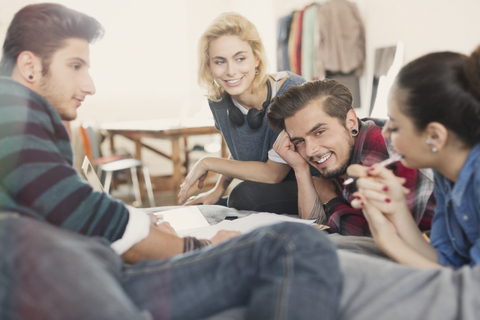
x=384, y=163
x=159, y=218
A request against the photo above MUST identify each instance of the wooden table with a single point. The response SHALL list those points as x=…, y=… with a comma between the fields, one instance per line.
x=167, y=129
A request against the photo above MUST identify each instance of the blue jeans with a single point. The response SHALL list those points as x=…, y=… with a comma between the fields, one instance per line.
x=286, y=271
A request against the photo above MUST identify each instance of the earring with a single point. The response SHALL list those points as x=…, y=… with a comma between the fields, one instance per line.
x=430, y=142
x=256, y=70
x=30, y=77
x=354, y=132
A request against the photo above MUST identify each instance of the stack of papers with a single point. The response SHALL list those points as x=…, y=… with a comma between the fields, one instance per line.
x=244, y=225
x=183, y=218
x=189, y=221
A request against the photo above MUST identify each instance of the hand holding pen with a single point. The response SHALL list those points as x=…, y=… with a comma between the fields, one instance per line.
x=379, y=188
x=385, y=163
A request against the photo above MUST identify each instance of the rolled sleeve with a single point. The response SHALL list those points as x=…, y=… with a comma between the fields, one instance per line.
x=273, y=156
x=137, y=229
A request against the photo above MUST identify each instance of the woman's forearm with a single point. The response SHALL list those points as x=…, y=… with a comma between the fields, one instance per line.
x=409, y=232
x=401, y=252
x=266, y=172
x=222, y=184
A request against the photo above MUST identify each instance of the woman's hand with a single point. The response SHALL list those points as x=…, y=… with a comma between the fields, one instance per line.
x=209, y=197
x=285, y=149
x=383, y=230
x=198, y=173
x=418, y=253
x=381, y=188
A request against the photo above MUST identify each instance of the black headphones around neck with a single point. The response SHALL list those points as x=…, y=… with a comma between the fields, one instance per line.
x=254, y=116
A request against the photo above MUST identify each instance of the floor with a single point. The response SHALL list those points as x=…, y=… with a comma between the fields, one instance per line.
x=125, y=193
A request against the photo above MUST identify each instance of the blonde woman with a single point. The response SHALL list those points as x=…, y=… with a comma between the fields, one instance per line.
x=233, y=70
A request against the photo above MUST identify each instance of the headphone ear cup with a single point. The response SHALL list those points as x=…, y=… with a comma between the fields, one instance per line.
x=255, y=118
x=235, y=115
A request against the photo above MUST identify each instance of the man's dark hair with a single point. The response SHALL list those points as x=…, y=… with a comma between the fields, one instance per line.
x=42, y=29
x=333, y=96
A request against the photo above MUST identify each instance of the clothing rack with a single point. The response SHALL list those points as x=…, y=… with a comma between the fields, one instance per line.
x=312, y=42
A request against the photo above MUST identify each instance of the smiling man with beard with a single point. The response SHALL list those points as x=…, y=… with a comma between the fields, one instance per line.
x=321, y=129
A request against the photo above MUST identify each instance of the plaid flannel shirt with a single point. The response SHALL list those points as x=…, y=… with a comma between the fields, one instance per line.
x=371, y=148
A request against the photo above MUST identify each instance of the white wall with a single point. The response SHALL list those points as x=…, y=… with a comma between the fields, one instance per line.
x=145, y=67
x=423, y=25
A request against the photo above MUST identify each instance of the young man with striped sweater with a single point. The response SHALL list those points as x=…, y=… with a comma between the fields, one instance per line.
x=47, y=80
x=57, y=234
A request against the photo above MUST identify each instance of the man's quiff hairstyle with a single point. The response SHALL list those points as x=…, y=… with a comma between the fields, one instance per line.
x=333, y=96
x=42, y=29
x=230, y=24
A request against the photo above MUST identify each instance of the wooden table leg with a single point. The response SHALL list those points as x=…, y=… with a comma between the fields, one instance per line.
x=186, y=153
x=138, y=149
x=224, y=149
x=138, y=155
x=112, y=142
x=177, y=167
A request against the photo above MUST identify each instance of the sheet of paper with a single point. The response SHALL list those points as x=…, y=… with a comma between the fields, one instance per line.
x=184, y=218
x=243, y=225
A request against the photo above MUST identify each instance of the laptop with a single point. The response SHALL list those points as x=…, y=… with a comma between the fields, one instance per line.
x=91, y=175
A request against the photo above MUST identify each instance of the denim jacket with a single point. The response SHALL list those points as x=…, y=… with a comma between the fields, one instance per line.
x=456, y=223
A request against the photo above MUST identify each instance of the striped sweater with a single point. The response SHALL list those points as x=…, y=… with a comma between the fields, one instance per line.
x=36, y=174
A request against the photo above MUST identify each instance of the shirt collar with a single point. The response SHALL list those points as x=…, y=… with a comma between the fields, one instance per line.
x=362, y=134
x=361, y=150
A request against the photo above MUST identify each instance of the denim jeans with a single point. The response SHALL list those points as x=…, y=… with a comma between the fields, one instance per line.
x=285, y=271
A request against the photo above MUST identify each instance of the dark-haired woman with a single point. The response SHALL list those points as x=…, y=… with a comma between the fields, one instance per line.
x=233, y=70
x=434, y=111
x=434, y=122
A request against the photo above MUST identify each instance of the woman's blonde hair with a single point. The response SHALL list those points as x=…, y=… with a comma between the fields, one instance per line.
x=230, y=24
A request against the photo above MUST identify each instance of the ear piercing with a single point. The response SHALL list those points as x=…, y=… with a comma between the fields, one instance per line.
x=256, y=70
x=354, y=132
x=430, y=142
x=30, y=77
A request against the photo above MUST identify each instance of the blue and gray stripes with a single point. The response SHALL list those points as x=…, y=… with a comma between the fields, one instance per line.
x=36, y=173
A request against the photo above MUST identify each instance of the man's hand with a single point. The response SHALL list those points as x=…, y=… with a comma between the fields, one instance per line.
x=159, y=224
x=166, y=227
x=224, y=235
x=285, y=149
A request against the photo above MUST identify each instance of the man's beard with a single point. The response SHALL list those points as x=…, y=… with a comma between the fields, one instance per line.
x=48, y=90
x=342, y=169
x=335, y=173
